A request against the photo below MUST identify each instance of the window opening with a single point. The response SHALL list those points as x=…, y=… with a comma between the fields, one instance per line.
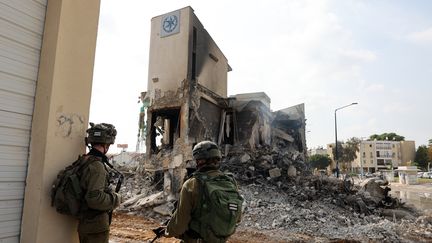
x=165, y=129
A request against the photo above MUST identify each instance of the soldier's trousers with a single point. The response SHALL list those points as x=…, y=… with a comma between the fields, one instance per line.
x=102, y=237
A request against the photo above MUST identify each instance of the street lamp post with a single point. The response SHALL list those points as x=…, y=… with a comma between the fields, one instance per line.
x=336, y=147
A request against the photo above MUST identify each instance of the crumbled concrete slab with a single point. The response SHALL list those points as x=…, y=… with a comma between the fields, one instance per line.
x=273, y=173
x=292, y=171
x=245, y=158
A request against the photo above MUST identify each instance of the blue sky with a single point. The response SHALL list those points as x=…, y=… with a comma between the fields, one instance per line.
x=323, y=53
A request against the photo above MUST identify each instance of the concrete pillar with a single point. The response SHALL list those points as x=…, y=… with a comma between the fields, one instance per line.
x=60, y=114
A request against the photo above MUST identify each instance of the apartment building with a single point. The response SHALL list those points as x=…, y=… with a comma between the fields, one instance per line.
x=319, y=150
x=380, y=155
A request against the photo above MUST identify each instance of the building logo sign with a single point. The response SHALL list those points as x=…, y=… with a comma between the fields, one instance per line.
x=170, y=24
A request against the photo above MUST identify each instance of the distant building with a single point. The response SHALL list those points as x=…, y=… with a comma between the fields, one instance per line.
x=380, y=155
x=128, y=159
x=319, y=150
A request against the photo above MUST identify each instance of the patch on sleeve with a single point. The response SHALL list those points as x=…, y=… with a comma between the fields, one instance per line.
x=232, y=207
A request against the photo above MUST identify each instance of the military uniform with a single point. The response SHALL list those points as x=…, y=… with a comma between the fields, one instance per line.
x=188, y=218
x=178, y=226
x=99, y=200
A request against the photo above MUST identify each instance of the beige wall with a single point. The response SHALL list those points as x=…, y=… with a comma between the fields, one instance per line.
x=407, y=152
x=168, y=57
x=401, y=153
x=60, y=113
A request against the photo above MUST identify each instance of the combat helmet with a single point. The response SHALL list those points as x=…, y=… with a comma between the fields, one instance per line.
x=103, y=133
x=206, y=150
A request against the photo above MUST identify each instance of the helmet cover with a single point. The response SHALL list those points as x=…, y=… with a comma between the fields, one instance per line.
x=103, y=133
x=206, y=150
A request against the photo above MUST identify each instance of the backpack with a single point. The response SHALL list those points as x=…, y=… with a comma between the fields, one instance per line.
x=219, y=207
x=66, y=193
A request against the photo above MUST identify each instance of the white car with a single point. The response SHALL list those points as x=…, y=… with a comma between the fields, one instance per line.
x=427, y=175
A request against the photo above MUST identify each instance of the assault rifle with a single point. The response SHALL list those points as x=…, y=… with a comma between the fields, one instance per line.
x=160, y=231
x=119, y=175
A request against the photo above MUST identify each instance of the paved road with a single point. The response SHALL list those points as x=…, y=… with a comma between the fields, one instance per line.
x=418, y=195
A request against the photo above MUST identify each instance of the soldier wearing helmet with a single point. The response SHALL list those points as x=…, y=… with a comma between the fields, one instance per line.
x=207, y=156
x=99, y=199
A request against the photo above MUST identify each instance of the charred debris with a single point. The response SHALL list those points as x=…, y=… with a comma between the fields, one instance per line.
x=255, y=141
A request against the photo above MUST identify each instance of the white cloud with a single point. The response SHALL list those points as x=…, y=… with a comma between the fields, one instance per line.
x=421, y=37
x=375, y=87
x=360, y=55
x=397, y=108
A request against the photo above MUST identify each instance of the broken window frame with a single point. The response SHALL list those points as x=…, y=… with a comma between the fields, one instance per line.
x=172, y=115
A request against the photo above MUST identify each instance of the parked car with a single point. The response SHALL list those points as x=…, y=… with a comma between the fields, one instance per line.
x=426, y=175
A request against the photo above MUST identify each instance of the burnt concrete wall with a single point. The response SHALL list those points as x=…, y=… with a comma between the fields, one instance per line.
x=211, y=64
x=205, y=121
x=253, y=122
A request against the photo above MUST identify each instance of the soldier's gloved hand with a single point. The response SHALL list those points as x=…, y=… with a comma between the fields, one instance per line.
x=117, y=199
x=108, y=189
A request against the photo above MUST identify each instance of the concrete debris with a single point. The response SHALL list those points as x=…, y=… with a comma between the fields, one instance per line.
x=310, y=205
x=319, y=208
x=273, y=173
x=372, y=191
x=292, y=171
x=280, y=134
x=152, y=200
x=165, y=209
x=245, y=158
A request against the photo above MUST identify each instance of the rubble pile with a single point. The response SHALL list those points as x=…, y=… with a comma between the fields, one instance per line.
x=315, y=206
x=136, y=186
x=282, y=197
x=268, y=163
x=321, y=208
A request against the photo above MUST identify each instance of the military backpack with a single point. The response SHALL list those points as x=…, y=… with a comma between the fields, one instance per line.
x=66, y=193
x=219, y=207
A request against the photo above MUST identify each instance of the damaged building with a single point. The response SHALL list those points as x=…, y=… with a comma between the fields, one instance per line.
x=186, y=102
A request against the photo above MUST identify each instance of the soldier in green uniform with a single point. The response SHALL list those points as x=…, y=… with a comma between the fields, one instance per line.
x=99, y=199
x=185, y=221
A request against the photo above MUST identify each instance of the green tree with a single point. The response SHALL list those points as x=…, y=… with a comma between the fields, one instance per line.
x=347, y=152
x=387, y=136
x=422, y=158
x=320, y=161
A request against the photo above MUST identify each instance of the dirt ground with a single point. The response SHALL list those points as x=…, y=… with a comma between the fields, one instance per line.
x=136, y=229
